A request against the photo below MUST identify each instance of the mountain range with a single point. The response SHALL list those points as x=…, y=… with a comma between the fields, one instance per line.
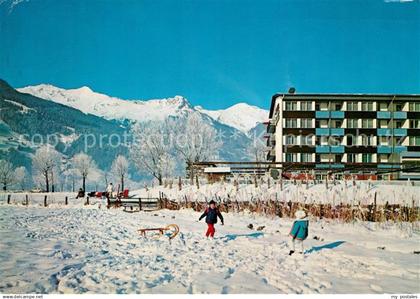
x=42, y=110
x=241, y=116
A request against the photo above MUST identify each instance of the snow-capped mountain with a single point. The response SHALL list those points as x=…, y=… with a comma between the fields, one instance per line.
x=242, y=117
x=90, y=102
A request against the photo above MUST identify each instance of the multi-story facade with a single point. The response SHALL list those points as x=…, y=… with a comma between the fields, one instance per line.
x=333, y=131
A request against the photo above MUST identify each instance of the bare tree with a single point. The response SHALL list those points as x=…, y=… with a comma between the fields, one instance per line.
x=258, y=150
x=21, y=176
x=151, y=149
x=120, y=169
x=44, y=162
x=7, y=175
x=196, y=141
x=83, y=164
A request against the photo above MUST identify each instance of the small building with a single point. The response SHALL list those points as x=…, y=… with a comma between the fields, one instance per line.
x=216, y=174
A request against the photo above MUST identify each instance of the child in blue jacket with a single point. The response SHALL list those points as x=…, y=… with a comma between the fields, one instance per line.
x=299, y=230
x=211, y=214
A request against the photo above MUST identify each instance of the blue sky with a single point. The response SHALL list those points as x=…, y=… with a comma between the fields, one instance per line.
x=216, y=53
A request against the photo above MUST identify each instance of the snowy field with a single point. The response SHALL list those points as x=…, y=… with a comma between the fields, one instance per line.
x=91, y=250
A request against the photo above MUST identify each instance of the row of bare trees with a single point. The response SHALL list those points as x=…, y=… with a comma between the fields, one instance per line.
x=10, y=176
x=156, y=150
x=158, y=146
x=47, y=161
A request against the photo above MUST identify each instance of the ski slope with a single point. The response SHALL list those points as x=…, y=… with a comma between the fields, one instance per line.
x=62, y=249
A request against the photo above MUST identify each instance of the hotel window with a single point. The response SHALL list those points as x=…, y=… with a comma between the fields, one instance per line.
x=398, y=124
x=399, y=107
x=291, y=157
x=306, y=123
x=306, y=106
x=383, y=107
x=291, y=123
x=414, y=106
x=352, y=123
x=337, y=158
x=290, y=139
x=384, y=140
x=383, y=123
x=337, y=124
x=415, y=140
x=307, y=140
x=415, y=124
x=383, y=158
x=352, y=106
x=306, y=158
x=367, y=106
x=367, y=158
x=351, y=158
x=323, y=124
x=337, y=106
x=367, y=123
x=291, y=106
x=368, y=140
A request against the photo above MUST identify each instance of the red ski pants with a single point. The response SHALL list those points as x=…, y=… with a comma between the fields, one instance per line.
x=210, y=230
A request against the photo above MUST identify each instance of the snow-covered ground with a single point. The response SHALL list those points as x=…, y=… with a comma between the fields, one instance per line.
x=81, y=249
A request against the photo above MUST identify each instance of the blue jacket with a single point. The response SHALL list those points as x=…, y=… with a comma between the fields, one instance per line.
x=211, y=215
x=300, y=229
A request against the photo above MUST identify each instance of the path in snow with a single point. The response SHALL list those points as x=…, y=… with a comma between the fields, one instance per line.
x=78, y=250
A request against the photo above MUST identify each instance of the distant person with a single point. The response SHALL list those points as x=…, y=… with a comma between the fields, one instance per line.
x=299, y=230
x=80, y=193
x=211, y=213
x=110, y=190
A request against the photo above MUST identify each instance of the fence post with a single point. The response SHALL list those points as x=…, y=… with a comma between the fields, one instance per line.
x=26, y=200
x=8, y=198
x=45, y=200
x=413, y=213
x=140, y=204
x=196, y=182
x=281, y=183
x=374, y=208
x=66, y=201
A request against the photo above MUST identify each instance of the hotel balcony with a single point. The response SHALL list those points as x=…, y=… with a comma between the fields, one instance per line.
x=329, y=165
x=329, y=132
x=384, y=149
x=322, y=114
x=400, y=115
x=390, y=132
x=337, y=114
x=326, y=149
x=389, y=115
x=383, y=115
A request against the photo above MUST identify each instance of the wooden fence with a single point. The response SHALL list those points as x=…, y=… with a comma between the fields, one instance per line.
x=342, y=212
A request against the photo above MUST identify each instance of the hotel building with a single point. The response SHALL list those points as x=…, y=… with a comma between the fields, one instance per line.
x=345, y=131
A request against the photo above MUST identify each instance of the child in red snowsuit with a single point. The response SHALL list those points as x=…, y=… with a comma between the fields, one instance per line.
x=211, y=214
